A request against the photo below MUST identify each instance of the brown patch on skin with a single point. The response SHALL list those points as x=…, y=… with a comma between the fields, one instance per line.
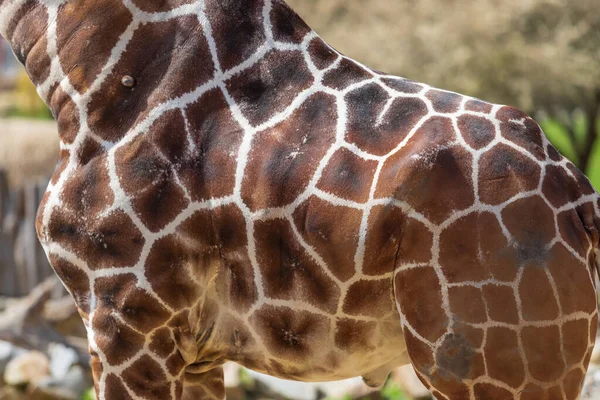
x=366, y=104
x=451, y=387
x=575, y=338
x=117, y=341
x=433, y=177
x=421, y=356
x=217, y=239
x=67, y=115
x=168, y=135
x=289, y=273
x=210, y=170
x=537, y=298
x=466, y=303
x=553, y=153
x=291, y=334
x=102, y=242
x=38, y=62
x=89, y=150
x=501, y=304
x=331, y=230
x=282, y=161
x=353, y=336
x=146, y=379
x=478, y=106
x=531, y=223
x=370, y=298
x=136, y=307
x=504, y=173
x=394, y=239
x=454, y=358
x=572, y=230
x=398, y=167
x=162, y=343
x=560, y=188
x=444, y=102
x=402, y=85
x=478, y=132
x=490, y=392
x=87, y=191
x=526, y=135
x=115, y=388
x=474, y=249
x=27, y=29
x=321, y=54
x=270, y=86
x=425, y=314
x=85, y=41
x=61, y=165
x=573, y=283
x=543, y=352
x=287, y=25
x=573, y=382
x=175, y=363
x=239, y=40
x=149, y=179
x=591, y=223
x=473, y=335
x=478, y=368
x=534, y=392
x=167, y=267
x=241, y=343
x=583, y=183
x=502, y=357
x=75, y=280
x=160, y=6
x=345, y=74
x=166, y=59
x=348, y=176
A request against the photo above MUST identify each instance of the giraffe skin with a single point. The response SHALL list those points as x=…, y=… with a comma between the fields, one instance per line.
x=231, y=188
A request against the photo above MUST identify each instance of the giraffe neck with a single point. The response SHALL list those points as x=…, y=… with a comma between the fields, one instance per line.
x=70, y=49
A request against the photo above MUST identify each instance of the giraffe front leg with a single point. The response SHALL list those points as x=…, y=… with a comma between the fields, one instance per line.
x=209, y=385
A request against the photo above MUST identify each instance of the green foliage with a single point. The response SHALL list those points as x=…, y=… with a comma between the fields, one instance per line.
x=89, y=395
x=25, y=102
x=391, y=391
x=559, y=137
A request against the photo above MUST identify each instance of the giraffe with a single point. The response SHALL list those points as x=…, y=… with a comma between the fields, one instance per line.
x=231, y=188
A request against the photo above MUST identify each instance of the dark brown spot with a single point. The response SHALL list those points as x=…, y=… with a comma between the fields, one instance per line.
x=353, y=336
x=444, y=102
x=504, y=173
x=502, y=357
x=522, y=130
x=370, y=298
x=331, y=230
x=270, y=87
x=289, y=273
x=146, y=379
x=85, y=40
x=376, y=133
x=425, y=314
x=348, y=176
x=478, y=132
x=283, y=158
x=291, y=334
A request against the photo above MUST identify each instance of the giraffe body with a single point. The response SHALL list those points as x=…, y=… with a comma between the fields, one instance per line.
x=230, y=188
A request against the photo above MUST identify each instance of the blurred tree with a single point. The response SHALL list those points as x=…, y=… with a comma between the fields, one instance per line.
x=542, y=56
x=27, y=103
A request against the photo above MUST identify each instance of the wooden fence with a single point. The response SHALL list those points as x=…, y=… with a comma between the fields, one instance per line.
x=23, y=263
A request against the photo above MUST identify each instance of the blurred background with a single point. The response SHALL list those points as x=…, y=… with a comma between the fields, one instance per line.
x=542, y=56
